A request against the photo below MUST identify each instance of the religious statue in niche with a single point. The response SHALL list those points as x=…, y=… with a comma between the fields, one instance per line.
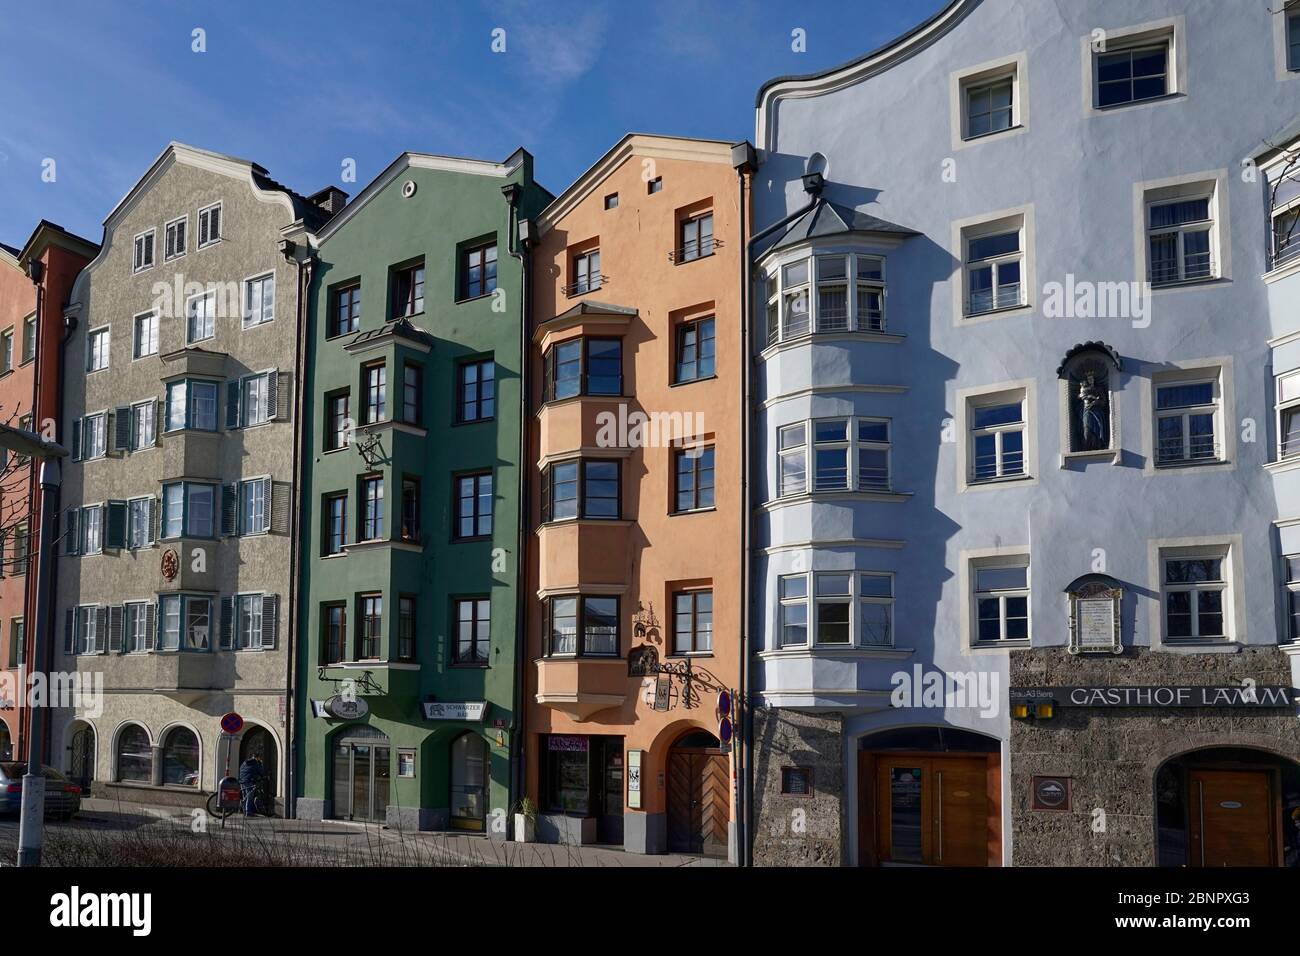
x=1089, y=407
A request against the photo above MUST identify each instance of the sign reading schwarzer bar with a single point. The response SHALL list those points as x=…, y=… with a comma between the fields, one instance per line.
x=1233, y=695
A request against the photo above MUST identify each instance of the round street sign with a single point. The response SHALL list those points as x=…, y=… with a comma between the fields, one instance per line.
x=724, y=703
x=724, y=731
x=232, y=723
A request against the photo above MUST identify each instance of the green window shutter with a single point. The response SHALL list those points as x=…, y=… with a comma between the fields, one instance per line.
x=101, y=626
x=115, y=532
x=230, y=508
x=270, y=620
x=155, y=519
x=150, y=615
x=282, y=390
x=121, y=430
x=232, y=404
x=72, y=531
x=70, y=631
x=76, y=439
x=115, y=614
x=227, y=623
x=280, y=496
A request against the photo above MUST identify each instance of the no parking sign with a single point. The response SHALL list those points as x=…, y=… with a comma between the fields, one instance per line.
x=232, y=723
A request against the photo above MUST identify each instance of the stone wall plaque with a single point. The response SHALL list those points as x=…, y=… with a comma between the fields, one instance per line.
x=1095, y=615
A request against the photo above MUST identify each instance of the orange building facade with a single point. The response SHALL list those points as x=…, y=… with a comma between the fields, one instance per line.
x=636, y=576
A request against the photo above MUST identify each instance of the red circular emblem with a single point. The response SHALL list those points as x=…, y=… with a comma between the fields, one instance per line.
x=170, y=564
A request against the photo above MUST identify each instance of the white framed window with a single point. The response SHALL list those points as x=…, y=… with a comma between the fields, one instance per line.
x=825, y=294
x=1291, y=595
x=249, y=617
x=847, y=454
x=1292, y=26
x=94, y=435
x=92, y=529
x=832, y=608
x=191, y=404
x=1287, y=408
x=254, y=506
x=201, y=317
x=255, y=399
x=174, y=238
x=7, y=350
x=87, y=637
x=145, y=340
x=792, y=595
x=1187, y=428
x=97, y=342
x=998, y=426
x=836, y=609
x=993, y=266
x=1000, y=601
x=875, y=609
x=259, y=300
x=209, y=225
x=29, y=338
x=1180, y=239
x=144, y=426
x=139, y=523
x=134, y=627
x=1133, y=72
x=1194, y=593
x=188, y=510
x=142, y=257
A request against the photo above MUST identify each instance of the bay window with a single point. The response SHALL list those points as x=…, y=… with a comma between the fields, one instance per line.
x=847, y=609
x=848, y=454
x=582, y=366
x=825, y=294
x=582, y=626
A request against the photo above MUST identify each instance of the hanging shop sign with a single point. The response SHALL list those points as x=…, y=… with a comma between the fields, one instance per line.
x=345, y=709
x=468, y=710
x=1234, y=696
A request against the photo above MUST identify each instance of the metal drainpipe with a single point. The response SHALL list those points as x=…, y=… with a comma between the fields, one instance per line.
x=748, y=714
x=305, y=269
x=518, y=739
x=69, y=327
x=38, y=280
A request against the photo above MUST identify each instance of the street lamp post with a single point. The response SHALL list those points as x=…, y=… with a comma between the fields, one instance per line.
x=31, y=826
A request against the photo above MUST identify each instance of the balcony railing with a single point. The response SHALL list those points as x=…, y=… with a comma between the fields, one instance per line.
x=695, y=249
x=584, y=285
x=1195, y=267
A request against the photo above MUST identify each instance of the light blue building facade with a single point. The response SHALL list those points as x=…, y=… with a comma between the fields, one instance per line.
x=1025, y=299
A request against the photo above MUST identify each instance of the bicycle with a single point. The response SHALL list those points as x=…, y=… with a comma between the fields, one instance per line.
x=263, y=804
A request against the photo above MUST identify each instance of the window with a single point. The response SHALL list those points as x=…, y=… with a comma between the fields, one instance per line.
x=29, y=339
x=374, y=384
x=997, y=440
x=188, y=509
x=94, y=436
x=833, y=606
x=695, y=351
x=135, y=632
x=408, y=291
x=411, y=508
x=7, y=350
x=876, y=610
x=848, y=454
x=478, y=271
x=597, y=495
x=191, y=404
x=793, y=597
x=406, y=628
x=990, y=106
x=1186, y=428
x=184, y=623
x=255, y=399
x=334, y=622
x=1001, y=603
x=476, y=390
x=259, y=300
x=89, y=631
x=611, y=201
x=201, y=317
x=473, y=630
x=370, y=625
x=198, y=624
x=993, y=272
x=17, y=642
x=1288, y=415
x=655, y=185
x=694, y=478
x=474, y=506
x=174, y=239
x=143, y=255
x=1179, y=238
x=248, y=614
x=1132, y=75
x=1193, y=591
x=254, y=506
x=585, y=366
x=22, y=543
x=797, y=781
x=794, y=311
x=583, y=626
x=337, y=431
x=335, y=533
x=209, y=225
x=134, y=755
x=139, y=523
x=695, y=238
x=345, y=309
x=96, y=349
x=145, y=340
x=412, y=393
x=1285, y=225
x=1291, y=572
x=92, y=529
x=585, y=272
x=180, y=755
x=1293, y=39
x=372, y=508
x=693, y=622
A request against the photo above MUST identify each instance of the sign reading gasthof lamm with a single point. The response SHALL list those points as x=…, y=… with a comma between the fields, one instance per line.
x=1233, y=695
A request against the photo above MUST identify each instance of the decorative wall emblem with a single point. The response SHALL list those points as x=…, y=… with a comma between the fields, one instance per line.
x=171, y=564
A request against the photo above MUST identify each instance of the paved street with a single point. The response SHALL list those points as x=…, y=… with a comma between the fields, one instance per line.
x=106, y=831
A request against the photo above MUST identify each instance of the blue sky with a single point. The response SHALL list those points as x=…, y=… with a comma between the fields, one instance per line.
x=101, y=86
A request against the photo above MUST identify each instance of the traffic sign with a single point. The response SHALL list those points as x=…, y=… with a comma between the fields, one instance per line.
x=232, y=723
x=724, y=703
x=724, y=731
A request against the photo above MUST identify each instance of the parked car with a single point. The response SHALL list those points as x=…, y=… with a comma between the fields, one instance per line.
x=62, y=796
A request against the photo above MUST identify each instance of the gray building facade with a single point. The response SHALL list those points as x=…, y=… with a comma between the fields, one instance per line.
x=1021, y=586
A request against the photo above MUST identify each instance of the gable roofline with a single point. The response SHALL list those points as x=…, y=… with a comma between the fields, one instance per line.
x=846, y=74
x=520, y=158
x=48, y=234
x=264, y=189
x=632, y=144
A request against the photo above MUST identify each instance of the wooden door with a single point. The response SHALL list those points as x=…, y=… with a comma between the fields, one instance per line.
x=1232, y=818
x=698, y=802
x=932, y=811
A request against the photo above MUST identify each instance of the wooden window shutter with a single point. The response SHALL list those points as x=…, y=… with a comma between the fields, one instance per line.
x=121, y=430
x=227, y=623
x=282, y=390
x=116, y=613
x=230, y=508
x=270, y=620
x=101, y=625
x=232, y=404
x=150, y=616
x=280, y=496
x=70, y=631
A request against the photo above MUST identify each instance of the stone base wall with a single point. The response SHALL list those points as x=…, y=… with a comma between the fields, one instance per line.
x=1112, y=754
x=798, y=830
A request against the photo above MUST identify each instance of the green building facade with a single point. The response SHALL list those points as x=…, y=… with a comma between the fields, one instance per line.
x=409, y=514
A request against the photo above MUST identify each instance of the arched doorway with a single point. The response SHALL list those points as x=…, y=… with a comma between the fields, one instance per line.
x=134, y=755
x=81, y=756
x=180, y=757
x=1228, y=806
x=362, y=771
x=929, y=796
x=260, y=743
x=469, y=774
x=699, y=805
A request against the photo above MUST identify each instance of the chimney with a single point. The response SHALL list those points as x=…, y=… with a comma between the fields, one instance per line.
x=331, y=199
